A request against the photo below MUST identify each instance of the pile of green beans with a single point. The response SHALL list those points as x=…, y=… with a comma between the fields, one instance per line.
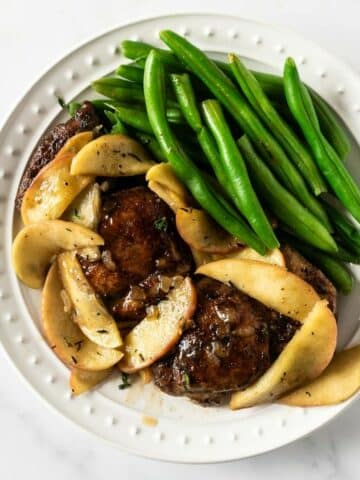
x=286, y=207
x=333, y=169
x=185, y=169
x=272, y=85
x=226, y=92
x=284, y=134
x=187, y=109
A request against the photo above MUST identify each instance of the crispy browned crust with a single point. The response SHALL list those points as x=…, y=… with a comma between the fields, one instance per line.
x=50, y=144
x=140, y=235
x=297, y=264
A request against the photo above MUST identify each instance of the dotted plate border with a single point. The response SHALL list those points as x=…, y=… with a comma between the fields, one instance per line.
x=233, y=436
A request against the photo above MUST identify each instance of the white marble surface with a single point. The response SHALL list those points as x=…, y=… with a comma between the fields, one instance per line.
x=37, y=444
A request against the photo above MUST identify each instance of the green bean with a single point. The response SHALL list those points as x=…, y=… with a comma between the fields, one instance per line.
x=233, y=164
x=185, y=169
x=134, y=50
x=273, y=87
x=327, y=159
x=284, y=134
x=186, y=99
x=139, y=118
x=345, y=255
x=150, y=142
x=226, y=92
x=336, y=272
x=117, y=125
x=188, y=106
x=119, y=89
x=330, y=127
x=285, y=207
x=131, y=73
x=347, y=232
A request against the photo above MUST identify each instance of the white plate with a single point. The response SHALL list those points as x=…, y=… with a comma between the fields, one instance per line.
x=185, y=432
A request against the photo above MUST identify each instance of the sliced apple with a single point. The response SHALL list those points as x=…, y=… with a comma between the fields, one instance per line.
x=160, y=330
x=304, y=358
x=63, y=335
x=168, y=196
x=274, y=257
x=112, y=156
x=82, y=381
x=36, y=244
x=199, y=231
x=90, y=313
x=86, y=208
x=271, y=285
x=163, y=181
x=337, y=383
x=76, y=143
x=53, y=189
x=310, y=350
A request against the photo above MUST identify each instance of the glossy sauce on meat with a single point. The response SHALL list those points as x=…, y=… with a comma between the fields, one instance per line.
x=230, y=345
x=142, y=248
x=234, y=338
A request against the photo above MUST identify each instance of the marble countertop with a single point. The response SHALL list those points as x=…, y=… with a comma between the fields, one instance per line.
x=36, y=443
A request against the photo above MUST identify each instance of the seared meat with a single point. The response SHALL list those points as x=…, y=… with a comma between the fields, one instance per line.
x=132, y=306
x=141, y=238
x=230, y=345
x=297, y=264
x=234, y=338
x=49, y=145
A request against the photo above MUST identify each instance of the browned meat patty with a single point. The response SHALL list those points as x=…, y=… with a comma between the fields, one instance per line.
x=132, y=306
x=234, y=338
x=49, y=145
x=297, y=264
x=141, y=240
x=233, y=341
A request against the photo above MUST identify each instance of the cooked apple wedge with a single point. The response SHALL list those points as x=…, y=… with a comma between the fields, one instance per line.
x=338, y=382
x=76, y=143
x=274, y=257
x=271, y=285
x=160, y=330
x=163, y=181
x=36, y=244
x=168, y=196
x=53, y=189
x=63, y=335
x=90, y=313
x=304, y=358
x=86, y=208
x=82, y=381
x=199, y=231
x=112, y=156
x=312, y=347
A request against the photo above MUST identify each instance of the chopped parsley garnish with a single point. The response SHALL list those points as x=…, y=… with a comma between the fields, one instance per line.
x=78, y=345
x=186, y=379
x=74, y=359
x=71, y=107
x=102, y=331
x=161, y=224
x=67, y=342
x=61, y=101
x=125, y=382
